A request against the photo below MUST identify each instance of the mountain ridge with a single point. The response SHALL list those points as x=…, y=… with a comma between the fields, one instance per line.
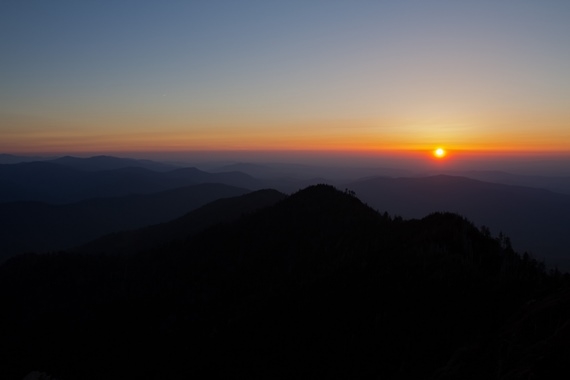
x=318, y=284
x=536, y=219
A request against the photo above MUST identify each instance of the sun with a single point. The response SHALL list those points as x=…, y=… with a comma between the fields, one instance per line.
x=439, y=152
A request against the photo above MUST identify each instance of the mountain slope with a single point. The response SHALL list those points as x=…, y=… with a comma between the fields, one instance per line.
x=221, y=210
x=537, y=220
x=41, y=227
x=318, y=285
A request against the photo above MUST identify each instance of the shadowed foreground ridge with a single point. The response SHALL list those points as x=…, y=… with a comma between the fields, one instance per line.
x=318, y=285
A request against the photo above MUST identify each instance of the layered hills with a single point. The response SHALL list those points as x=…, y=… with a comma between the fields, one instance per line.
x=315, y=285
x=57, y=182
x=219, y=211
x=58, y=203
x=44, y=227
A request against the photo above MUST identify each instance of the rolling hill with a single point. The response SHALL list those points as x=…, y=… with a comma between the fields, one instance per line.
x=43, y=227
x=152, y=237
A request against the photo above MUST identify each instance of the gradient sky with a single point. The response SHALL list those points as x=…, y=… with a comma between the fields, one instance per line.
x=102, y=76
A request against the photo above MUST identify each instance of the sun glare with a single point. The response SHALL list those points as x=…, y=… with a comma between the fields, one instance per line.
x=439, y=152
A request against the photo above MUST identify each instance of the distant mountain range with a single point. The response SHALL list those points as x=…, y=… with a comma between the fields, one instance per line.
x=64, y=183
x=333, y=174
x=70, y=179
x=14, y=159
x=97, y=163
x=339, y=175
x=557, y=184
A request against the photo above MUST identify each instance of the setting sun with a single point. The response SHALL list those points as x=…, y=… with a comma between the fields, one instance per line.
x=439, y=152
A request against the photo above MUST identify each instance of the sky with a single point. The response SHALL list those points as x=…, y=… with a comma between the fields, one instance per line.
x=386, y=77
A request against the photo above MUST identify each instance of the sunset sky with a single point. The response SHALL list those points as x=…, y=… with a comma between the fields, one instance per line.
x=375, y=76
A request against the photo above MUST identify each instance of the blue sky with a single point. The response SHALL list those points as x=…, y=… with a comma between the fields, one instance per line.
x=344, y=75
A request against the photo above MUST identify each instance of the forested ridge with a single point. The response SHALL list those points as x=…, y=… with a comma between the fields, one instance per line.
x=318, y=285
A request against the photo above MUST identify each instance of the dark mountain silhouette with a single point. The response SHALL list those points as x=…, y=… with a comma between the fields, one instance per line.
x=97, y=163
x=537, y=220
x=42, y=227
x=317, y=286
x=55, y=183
x=151, y=237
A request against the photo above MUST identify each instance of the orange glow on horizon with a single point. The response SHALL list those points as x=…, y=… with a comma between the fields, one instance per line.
x=396, y=137
x=315, y=138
